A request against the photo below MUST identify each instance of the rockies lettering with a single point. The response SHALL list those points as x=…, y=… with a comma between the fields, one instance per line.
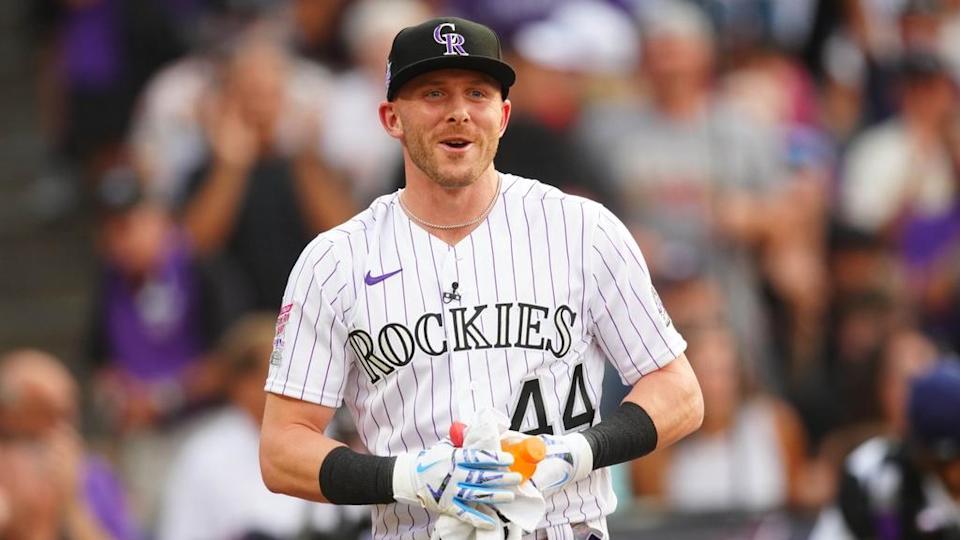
x=397, y=342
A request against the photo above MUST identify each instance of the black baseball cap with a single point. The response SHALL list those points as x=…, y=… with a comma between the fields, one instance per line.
x=446, y=43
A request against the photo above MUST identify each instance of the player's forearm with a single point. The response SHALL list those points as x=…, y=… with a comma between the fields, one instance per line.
x=290, y=460
x=672, y=398
x=662, y=407
x=291, y=451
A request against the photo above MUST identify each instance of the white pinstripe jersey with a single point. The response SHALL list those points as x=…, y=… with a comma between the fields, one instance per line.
x=549, y=287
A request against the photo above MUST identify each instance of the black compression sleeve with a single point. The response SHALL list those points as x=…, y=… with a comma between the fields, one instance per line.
x=627, y=434
x=348, y=477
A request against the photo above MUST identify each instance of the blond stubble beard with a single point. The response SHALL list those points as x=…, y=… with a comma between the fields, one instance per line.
x=424, y=156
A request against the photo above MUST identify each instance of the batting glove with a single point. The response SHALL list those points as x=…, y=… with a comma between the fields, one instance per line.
x=569, y=459
x=451, y=481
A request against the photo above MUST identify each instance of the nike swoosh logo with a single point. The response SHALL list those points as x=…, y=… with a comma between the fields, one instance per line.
x=373, y=280
x=424, y=467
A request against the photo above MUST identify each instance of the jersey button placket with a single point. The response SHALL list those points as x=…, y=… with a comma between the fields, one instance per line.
x=452, y=297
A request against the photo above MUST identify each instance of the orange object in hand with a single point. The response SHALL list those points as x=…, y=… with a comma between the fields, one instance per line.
x=526, y=452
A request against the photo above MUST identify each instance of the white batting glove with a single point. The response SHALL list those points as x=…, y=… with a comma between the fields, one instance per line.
x=569, y=459
x=452, y=481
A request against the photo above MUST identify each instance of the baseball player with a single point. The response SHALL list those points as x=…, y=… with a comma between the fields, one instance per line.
x=466, y=290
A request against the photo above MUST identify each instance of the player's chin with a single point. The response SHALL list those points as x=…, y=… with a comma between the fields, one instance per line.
x=458, y=174
x=460, y=179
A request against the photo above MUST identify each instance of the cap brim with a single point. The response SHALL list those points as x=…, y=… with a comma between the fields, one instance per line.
x=499, y=70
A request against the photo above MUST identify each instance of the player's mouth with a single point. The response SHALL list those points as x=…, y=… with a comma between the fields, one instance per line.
x=456, y=144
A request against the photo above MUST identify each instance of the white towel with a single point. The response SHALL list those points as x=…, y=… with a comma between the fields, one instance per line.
x=484, y=431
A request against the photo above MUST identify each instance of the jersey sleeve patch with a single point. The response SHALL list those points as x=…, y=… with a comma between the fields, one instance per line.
x=283, y=318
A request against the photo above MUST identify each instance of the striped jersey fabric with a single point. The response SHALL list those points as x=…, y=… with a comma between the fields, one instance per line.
x=521, y=315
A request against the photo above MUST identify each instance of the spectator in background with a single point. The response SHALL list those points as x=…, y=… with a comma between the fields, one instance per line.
x=869, y=398
x=904, y=165
x=948, y=38
x=698, y=183
x=556, y=59
x=97, y=54
x=353, y=140
x=214, y=490
x=153, y=320
x=907, y=354
x=318, y=30
x=905, y=487
x=865, y=308
x=749, y=455
x=900, y=182
x=53, y=488
x=871, y=43
x=772, y=89
x=168, y=135
x=263, y=191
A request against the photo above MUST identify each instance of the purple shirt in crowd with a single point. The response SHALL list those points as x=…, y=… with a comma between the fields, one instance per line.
x=154, y=331
x=105, y=495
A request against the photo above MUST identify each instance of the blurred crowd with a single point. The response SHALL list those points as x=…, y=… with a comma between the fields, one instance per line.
x=790, y=169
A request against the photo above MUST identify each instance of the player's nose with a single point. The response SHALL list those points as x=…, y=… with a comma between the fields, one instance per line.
x=458, y=112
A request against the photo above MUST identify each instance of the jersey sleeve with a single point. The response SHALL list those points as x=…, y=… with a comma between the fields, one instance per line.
x=628, y=319
x=309, y=357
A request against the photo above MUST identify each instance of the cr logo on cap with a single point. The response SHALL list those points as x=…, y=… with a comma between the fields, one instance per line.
x=452, y=40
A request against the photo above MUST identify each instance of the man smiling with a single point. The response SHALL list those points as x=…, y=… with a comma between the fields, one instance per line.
x=469, y=289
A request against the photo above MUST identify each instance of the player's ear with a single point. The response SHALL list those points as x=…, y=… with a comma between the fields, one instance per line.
x=390, y=120
x=505, y=116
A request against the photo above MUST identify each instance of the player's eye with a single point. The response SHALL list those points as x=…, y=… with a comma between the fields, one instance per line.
x=433, y=94
x=477, y=93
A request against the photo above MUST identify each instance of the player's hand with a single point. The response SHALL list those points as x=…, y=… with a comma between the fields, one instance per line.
x=453, y=481
x=569, y=459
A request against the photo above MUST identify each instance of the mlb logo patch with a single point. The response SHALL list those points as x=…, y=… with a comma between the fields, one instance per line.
x=278, y=338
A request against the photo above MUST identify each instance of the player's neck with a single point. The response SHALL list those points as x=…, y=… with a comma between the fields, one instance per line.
x=429, y=202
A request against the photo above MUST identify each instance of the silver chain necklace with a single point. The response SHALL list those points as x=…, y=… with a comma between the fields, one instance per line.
x=483, y=215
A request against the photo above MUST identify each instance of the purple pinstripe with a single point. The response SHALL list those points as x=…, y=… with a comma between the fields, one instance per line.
x=473, y=395
x=637, y=295
x=436, y=272
x=613, y=278
x=371, y=393
x=513, y=263
x=553, y=292
x=599, y=336
x=296, y=336
x=616, y=327
x=423, y=300
x=326, y=375
x=566, y=245
x=386, y=319
x=313, y=347
x=403, y=406
x=406, y=320
x=361, y=407
x=496, y=289
x=486, y=354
